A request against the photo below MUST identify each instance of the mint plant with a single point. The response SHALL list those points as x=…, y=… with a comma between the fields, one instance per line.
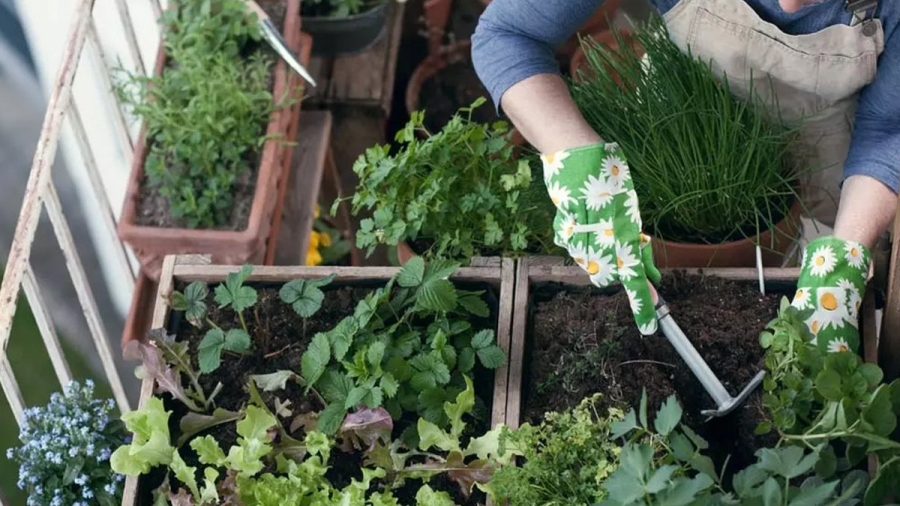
x=664, y=464
x=460, y=191
x=206, y=114
x=833, y=401
x=408, y=347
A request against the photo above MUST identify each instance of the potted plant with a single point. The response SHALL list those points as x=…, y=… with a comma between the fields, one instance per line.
x=212, y=150
x=342, y=27
x=303, y=385
x=712, y=171
x=455, y=194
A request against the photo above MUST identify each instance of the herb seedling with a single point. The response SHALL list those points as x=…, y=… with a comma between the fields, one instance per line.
x=305, y=296
x=234, y=294
x=461, y=191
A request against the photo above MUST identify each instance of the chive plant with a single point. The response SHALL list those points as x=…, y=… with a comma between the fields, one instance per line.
x=708, y=167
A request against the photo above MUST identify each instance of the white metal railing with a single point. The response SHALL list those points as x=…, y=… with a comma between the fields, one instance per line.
x=41, y=195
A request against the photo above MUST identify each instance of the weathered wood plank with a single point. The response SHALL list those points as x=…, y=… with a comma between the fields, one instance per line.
x=517, y=345
x=889, y=347
x=303, y=184
x=364, y=79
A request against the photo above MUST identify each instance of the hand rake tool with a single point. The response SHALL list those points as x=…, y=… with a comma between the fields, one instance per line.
x=724, y=401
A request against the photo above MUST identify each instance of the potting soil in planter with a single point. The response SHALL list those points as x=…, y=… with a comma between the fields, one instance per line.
x=455, y=86
x=153, y=208
x=582, y=342
x=279, y=341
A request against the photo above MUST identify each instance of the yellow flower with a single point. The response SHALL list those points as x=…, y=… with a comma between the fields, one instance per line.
x=317, y=212
x=325, y=239
x=313, y=257
x=313, y=241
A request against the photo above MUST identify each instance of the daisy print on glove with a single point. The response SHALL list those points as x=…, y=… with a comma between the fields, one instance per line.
x=598, y=223
x=552, y=164
x=830, y=288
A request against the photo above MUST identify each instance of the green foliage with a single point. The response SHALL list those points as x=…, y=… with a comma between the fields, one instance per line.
x=230, y=294
x=707, y=166
x=567, y=459
x=408, y=347
x=206, y=114
x=665, y=465
x=459, y=190
x=236, y=475
x=304, y=295
x=832, y=401
x=150, y=445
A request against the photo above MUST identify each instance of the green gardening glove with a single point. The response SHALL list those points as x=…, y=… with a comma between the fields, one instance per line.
x=599, y=224
x=830, y=288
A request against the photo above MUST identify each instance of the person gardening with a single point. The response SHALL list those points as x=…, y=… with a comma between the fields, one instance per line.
x=833, y=64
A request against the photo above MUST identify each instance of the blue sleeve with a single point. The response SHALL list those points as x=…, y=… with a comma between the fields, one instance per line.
x=875, y=146
x=516, y=39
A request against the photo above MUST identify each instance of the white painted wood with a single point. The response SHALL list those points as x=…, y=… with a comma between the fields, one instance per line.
x=126, y=142
x=85, y=296
x=11, y=388
x=93, y=172
x=45, y=325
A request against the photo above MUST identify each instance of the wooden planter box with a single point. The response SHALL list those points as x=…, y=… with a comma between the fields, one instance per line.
x=533, y=271
x=152, y=244
x=495, y=273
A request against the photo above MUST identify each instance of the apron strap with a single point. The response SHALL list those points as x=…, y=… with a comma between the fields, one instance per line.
x=862, y=11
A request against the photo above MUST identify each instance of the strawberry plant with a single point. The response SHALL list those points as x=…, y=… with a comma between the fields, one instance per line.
x=409, y=347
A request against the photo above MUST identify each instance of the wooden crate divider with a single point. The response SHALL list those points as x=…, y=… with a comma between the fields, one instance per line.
x=496, y=272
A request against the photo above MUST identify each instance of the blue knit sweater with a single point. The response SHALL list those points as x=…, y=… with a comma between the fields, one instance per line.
x=516, y=39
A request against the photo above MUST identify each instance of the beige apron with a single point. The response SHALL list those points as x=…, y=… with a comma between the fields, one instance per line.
x=815, y=77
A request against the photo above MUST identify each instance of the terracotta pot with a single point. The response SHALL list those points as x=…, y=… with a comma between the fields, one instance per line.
x=404, y=253
x=579, y=68
x=434, y=64
x=437, y=15
x=740, y=253
x=152, y=244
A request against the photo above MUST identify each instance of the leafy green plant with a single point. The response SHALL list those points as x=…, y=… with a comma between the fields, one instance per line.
x=407, y=347
x=305, y=296
x=821, y=399
x=232, y=293
x=207, y=112
x=567, y=459
x=663, y=464
x=458, y=193
x=244, y=475
x=707, y=166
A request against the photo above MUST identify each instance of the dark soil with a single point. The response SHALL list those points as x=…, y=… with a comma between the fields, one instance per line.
x=455, y=86
x=585, y=342
x=279, y=341
x=153, y=207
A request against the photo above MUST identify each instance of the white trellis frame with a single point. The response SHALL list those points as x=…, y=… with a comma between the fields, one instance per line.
x=41, y=195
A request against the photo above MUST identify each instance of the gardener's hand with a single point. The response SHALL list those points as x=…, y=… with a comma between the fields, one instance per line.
x=598, y=222
x=831, y=287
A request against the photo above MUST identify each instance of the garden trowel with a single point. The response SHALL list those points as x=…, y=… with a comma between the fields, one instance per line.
x=725, y=402
x=270, y=33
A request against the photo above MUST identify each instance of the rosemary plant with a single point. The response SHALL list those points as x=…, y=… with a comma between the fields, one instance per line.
x=708, y=166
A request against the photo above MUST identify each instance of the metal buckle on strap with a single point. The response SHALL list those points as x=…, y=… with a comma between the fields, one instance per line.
x=863, y=11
